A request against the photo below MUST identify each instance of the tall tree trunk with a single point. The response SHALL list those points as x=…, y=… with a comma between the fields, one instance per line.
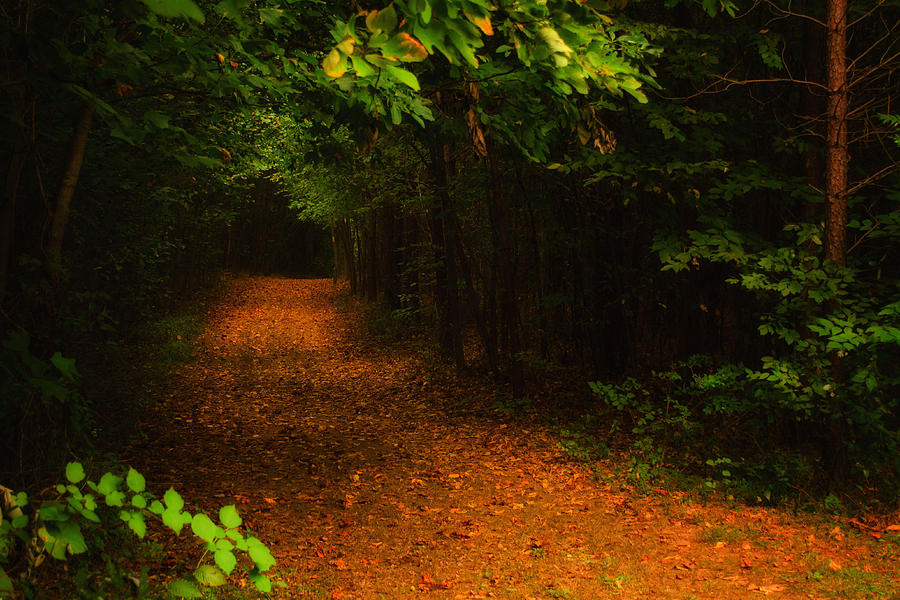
x=509, y=308
x=837, y=160
x=837, y=155
x=8, y=215
x=443, y=227
x=60, y=216
x=372, y=256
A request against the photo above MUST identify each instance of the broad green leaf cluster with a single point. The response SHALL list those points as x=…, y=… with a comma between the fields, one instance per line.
x=65, y=526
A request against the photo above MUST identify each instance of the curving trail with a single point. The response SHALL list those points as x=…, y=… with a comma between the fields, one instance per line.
x=355, y=461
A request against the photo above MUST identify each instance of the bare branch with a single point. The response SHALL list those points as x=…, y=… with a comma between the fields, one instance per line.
x=865, y=15
x=888, y=34
x=789, y=13
x=880, y=174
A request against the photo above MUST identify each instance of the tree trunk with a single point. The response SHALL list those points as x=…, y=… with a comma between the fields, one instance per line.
x=67, y=187
x=372, y=256
x=837, y=155
x=505, y=266
x=8, y=216
x=443, y=228
x=837, y=160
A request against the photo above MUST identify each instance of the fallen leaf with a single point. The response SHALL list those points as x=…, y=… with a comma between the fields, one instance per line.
x=834, y=566
x=339, y=564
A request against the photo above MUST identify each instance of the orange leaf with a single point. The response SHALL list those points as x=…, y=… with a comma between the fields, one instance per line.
x=339, y=564
x=482, y=23
x=834, y=566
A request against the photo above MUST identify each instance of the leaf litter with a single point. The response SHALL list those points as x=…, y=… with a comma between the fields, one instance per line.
x=372, y=474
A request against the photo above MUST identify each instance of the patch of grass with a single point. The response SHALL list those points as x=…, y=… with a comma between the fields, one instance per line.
x=848, y=582
x=615, y=582
x=174, y=336
x=538, y=552
x=723, y=533
x=513, y=406
x=565, y=593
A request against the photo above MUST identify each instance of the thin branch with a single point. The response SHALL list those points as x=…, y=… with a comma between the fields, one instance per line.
x=885, y=64
x=881, y=173
x=864, y=236
x=733, y=82
x=790, y=13
x=872, y=46
x=865, y=15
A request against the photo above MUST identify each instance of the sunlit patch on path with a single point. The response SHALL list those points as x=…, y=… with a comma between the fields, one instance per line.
x=350, y=460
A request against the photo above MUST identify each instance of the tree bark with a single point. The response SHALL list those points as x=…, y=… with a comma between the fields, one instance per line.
x=443, y=228
x=837, y=155
x=60, y=217
x=509, y=308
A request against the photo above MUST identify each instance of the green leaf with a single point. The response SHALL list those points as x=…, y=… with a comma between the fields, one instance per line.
x=138, y=501
x=552, y=39
x=89, y=515
x=404, y=77
x=271, y=16
x=74, y=472
x=70, y=533
x=173, y=500
x=382, y=20
x=209, y=576
x=109, y=483
x=175, y=8
x=224, y=544
x=136, y=482
x=262, y=583
x=115, y=499
x=19, y=521
x=156, y=507
x=137, y=524
x=226, y=560
x=66, y=366
x=5, y=582
x=203, y=527
x=184, y=589
x=259, y=554
x=157, y=119
x=229, y=517
x=172, y=519
x=362, y=68
x=405, y=48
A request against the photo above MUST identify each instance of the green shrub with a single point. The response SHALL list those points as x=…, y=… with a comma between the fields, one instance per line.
x=71, y=521
x=44, y=413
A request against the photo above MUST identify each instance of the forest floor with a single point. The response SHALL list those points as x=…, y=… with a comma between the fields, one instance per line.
x=372, y=474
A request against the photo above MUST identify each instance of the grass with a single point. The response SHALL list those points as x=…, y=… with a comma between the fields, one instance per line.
x=847, y=582
x=174, y=337
x=723, y=533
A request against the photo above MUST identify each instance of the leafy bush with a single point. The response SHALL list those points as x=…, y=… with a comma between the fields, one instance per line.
x=832, y=338
x=66, y=525
x=44, y=414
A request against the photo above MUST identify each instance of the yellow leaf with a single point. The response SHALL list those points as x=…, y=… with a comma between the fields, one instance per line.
x=346, y=46
x=334, y=64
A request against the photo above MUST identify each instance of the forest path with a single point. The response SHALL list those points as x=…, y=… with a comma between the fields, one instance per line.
x=355, y=463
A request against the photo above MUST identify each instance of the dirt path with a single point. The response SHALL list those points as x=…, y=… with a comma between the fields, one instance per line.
x=350, y=460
